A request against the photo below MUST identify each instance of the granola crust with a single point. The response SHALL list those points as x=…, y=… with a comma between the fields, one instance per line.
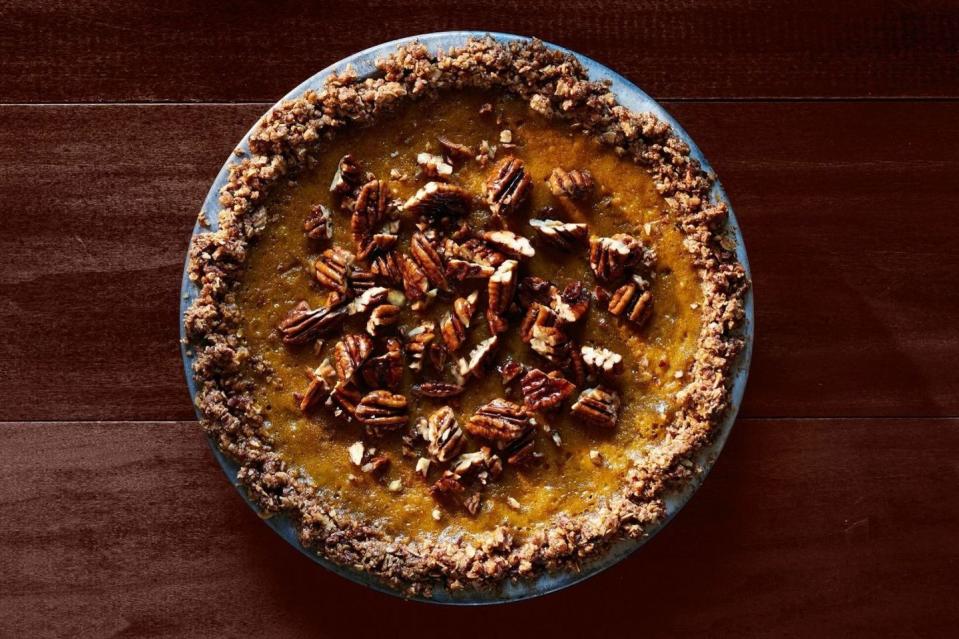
x=288, y=139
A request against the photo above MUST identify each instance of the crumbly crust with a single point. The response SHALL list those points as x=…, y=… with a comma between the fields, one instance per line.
x=288, y=139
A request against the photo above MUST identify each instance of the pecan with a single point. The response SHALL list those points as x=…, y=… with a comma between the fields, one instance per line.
x=434, y=166
x=536, y=315
x=632, y=303
x=415, y=282
x=318, y=224
x=453, y=326
x=429, y=261
x=368, y=299
x=544, y=392
x=500, y=290
x=460, y=270
x=509, y=243
x=571, y=305
x=597, y=406
x=576, y=367
x=500, y=421
x=521, y=451
x=439, y=199
x=509, y=371
x=444, y=437
x=349, y=176
x=345, y=397
x=454, y=151
x=386, y=268
x=381, y=411
x=349, y=354
x=508, y=186
x=449, y=489
x=303, y=324
x=602, y=360
x=332, y=267
x=476, y=250
x=417, y=342
x=563, y=235
x=610, y=257
x=370, y=211
x=318, y=390
x=478, y=357
x=438, y=355
x=377, y=465
x=482, y=465
x=573, y=184
x=360, y=281
x=551, y=342
x=386, y=370
x=438, y=390
x=534, y=289
x=382, y=318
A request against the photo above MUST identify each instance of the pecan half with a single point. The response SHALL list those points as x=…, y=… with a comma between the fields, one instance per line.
x=368, y=299
x=573, y=184
x=534, y=289
x=332, y=268
x=544, y=392
x=381, y=412
x=597, y=406
x=508, y=186
x=551, y=342
x=474, y=364
x=382, y=318
x=460, y=270
x=386, y=370
x=370, y=211
x=454, y=151
x=429, y=261
x=318, y=224
x=610, y=257
x=500, y=420
x=510, y=371
x=521, y=451
x=415, y=282
x=478, y=251
x=602, y=361
x=303, y=324
x=453, y=326
x=439, y=199
x=417, y=341
x=509, y=243
x=349, y=176
x=386, y=269
x=437, y=390
x=350, y=353
x=572, y=304
x=631, y=302
x=444, y=437
x=318, y=390
x=566, y=236
x=360, y=281
x=345, y=397
x=500, y=290
x=536, y=315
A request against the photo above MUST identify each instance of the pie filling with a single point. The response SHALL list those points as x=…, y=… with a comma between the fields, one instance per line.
x=445, y=224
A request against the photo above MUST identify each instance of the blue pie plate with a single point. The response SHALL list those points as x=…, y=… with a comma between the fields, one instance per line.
x=630, y=96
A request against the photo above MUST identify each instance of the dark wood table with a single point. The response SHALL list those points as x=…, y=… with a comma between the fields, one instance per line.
x=833, y=510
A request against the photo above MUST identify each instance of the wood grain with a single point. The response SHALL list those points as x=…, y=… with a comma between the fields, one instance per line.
x=101, y=51
x=804, y=528
x=847, y=210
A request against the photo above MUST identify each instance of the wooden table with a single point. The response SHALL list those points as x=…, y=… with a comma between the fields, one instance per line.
x=833, y=510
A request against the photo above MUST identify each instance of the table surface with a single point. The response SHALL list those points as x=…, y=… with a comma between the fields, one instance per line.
x=833, y=510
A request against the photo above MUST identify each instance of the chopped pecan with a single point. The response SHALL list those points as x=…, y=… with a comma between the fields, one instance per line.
x=481, y=465
x=332, y=268
x=439, y=199
x=417, y=341
x=631, y=302
x=377, y=465
x=500, y=420
x=573, y=184
x=459, y=270
x=438, y=390
x=370, y=211
x=349, y=176
x=382, y=318
x=598, y=406
x=386, y=370
x=415, y=282
x=454, y=151
x=429, y=261
x=350, y=353
x=449, y=489
x=444, y=437
x=303, y=324
x=610, y=257
x=602, y=361
x=508, y=186
x=544, y=392
x=500, y=290
x=386, y=268
x=318, y=224
x=478, y=357
x=571, y=305
x=381, y=411
x=434, y=166
x=368, y=299
x=509, y=243
x=453, y=326
x=563, y=235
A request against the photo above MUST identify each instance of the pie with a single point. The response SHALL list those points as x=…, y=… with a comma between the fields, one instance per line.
x=467, y=320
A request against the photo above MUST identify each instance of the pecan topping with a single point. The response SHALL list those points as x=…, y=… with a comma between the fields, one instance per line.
x=534, y=289
x=386, y=268
x=520, y=451
x=381, y=411
x=563, y=235
x=368, y=299
x=350, y=353
x=453, y=326
x=536, y=315
x=345, y=397
x=509, y=243
x=573, y=184
x=382, y=318
x=543, y=392
x=602, y=360
x=332, y=268
x=632, y=303
x=318, y=390
x=429, y=261
x=571, y=305
x=500, y=421
x=318, y=224
x=449, y=489
x=360, y=281
x=434, y=166
x=438, y=390
x=474, y=364
x=444, y=437
x=541, y=330
x=304, y=324
x=454, y=151
x=610, y=257
x=439, y=199
x=417, y=342
x=597, y=406
x=460, y=270
x=508, y=186
x=370, y=211
x=500, y=290
x=481, y=465
x=415, y=282
x=349, y=176
x=386, y=370
x=478, y=251
x=509, y=371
